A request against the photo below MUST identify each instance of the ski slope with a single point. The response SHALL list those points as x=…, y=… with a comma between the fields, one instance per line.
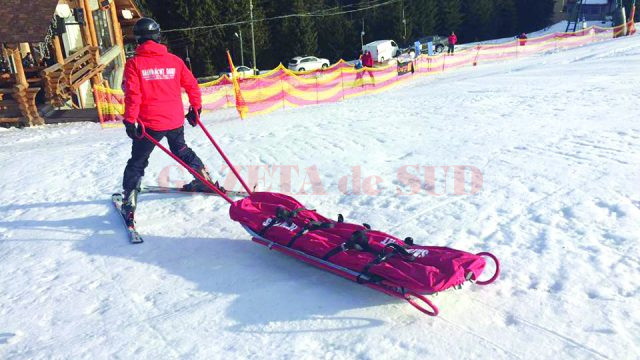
x=556, y=137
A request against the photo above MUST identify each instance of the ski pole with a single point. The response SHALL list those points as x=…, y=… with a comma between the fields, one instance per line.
x=144, y=133
x=233, y=169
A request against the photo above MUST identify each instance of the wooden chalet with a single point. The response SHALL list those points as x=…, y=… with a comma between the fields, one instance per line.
x=53, y=51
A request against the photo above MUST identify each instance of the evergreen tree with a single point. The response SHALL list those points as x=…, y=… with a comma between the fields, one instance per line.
x=203, y=44
x=450, y=16
x=337, y=36
x=506, y=18
x=239, y=11
x=301, y=36
x=479, y=20
x=424, y=17
x=534, y=14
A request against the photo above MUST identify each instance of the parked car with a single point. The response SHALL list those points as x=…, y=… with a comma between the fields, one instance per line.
x=439, y=43
x=382, y=50
x=307, y=63
x=243, y=72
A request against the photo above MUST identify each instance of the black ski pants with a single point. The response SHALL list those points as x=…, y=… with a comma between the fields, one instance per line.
x=450, y=48
x=142, y=148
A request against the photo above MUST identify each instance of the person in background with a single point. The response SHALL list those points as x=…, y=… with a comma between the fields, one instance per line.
x=358, y=63
x=522, y=38
x=367, y=59
x=28, y=61
x=453, y=39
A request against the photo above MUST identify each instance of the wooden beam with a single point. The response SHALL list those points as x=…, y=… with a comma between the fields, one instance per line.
x=58, y=49
x=90, y=23
x=117, y=29
x=21, y=79
x=84, y=29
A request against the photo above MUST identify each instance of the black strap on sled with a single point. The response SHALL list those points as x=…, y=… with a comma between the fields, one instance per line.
x=382, y=257
x=282, y=215
x=311, y=226
x=358, y=241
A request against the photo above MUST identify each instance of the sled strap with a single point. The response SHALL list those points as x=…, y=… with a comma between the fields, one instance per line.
x=401, y=250
x=382, y=257
x=360, y=279
x=282, y=215
x=311, y=226
x=357, y=241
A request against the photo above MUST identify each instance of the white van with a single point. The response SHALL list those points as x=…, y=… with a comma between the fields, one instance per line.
x=382, y=50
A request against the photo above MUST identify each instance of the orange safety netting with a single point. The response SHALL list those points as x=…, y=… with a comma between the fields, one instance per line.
x=281, y=88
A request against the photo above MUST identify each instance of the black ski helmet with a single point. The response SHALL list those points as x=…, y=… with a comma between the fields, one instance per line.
x=146, y=29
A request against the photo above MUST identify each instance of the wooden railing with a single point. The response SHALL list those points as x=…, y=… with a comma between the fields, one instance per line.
x=61, y=81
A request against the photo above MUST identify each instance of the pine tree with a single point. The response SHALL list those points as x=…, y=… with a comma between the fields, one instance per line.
x=506, y=18
x=300, y=31
x=202, y=44
x=424, y=15
x=534, y=15
x=450, y=16
x=337, y=37
x=239, y=11
x=479, y=19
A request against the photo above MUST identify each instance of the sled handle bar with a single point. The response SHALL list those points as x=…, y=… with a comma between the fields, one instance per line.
x=496, y=261
x=411, y=297
x=215, y=144
x=144, y=133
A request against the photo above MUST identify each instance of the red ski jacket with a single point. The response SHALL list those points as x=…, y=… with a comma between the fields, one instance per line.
x=367, y=59
x=453, y=39
x=153, y=79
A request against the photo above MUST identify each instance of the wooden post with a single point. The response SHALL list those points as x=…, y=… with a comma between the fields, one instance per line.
x=90, y=23
x=84, y=29
x=58, y=49
x=117, y=29
x=21, y=79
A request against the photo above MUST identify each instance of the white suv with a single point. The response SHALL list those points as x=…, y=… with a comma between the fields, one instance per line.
x=306, y=63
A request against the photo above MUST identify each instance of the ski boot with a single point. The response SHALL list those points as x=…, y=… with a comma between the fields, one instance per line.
x=198, y=186
x=129, y=203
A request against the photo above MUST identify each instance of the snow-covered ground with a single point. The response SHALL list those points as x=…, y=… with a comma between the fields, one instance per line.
x=556, y=137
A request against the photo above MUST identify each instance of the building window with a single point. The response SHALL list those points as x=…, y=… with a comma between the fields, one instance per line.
x=104, y=30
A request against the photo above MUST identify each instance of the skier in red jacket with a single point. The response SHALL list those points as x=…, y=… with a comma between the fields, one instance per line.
x=153, y=80
x=522, y=39
x=367, y=59
x=453, y=39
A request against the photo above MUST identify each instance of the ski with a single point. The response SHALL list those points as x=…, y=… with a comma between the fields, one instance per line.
x=176, y=190
x=134, y=237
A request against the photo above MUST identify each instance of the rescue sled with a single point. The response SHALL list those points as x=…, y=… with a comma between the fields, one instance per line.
x=378, y=260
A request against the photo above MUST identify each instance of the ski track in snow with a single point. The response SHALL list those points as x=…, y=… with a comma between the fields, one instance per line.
x=556, y=138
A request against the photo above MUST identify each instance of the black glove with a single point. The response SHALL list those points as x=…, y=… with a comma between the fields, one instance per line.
x=192, y=116
x=131, y=129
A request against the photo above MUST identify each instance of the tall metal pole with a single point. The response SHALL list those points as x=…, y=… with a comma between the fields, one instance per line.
x=189, y=59
x=362, y=35
x=253, y=38
x=404, y=22
x=241, y=49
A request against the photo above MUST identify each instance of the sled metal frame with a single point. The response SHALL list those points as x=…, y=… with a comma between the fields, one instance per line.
x=384, y=286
